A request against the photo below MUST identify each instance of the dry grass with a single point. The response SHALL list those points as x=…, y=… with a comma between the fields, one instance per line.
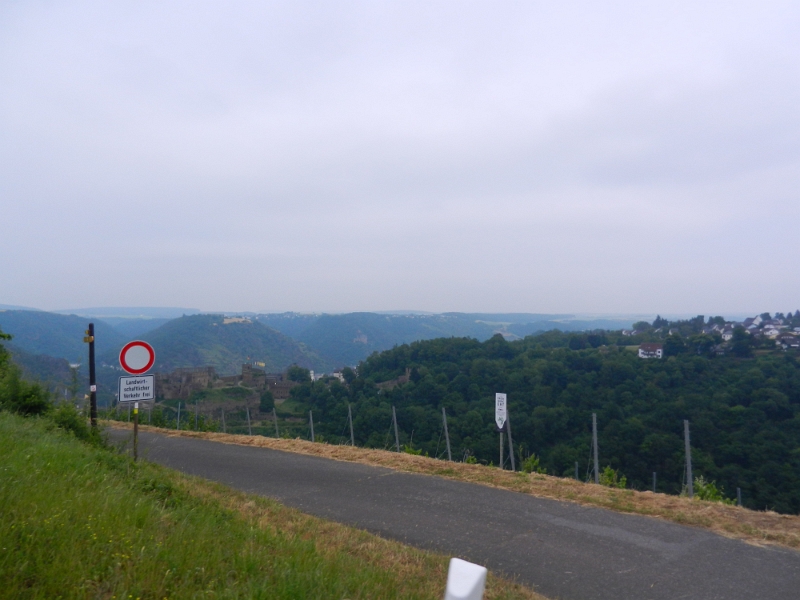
x=752, y=526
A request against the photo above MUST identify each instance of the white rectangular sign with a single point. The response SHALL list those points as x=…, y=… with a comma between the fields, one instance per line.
x=137, y=388
x=500, y=410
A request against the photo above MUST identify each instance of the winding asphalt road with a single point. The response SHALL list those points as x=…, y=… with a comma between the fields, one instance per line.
x=562, y=550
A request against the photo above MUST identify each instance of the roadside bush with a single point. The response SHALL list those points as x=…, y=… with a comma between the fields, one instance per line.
x=531, y=465
x=708, y=490
x=67, y=418
x=612, y=478
x=409, y=449
x=20, y=396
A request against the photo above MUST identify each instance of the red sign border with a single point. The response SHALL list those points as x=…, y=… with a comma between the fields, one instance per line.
x=130, y=345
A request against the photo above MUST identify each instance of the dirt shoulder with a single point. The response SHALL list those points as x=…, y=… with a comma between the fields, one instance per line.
x=752, y=526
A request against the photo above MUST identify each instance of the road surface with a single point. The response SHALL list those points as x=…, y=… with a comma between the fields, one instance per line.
x=562, y=550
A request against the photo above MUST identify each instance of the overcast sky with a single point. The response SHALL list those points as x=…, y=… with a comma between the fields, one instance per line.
x=441, y=156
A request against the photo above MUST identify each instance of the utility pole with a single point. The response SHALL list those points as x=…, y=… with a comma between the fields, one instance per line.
x=350, y=419
x=89, y=339
x=249, y=428
x=446, y=435
x=594, y=449
x=178, y=424
x=510, y=442
x=396, y=436
x=311, y=423
x=275, y=418
x=688, y=444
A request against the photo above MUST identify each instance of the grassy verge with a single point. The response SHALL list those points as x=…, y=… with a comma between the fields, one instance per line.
x=84, y=522
x=752, y=526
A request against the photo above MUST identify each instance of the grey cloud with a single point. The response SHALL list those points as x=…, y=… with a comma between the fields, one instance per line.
x=375, y=156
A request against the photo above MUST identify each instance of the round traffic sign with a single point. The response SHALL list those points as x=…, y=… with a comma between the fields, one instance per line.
x=137, y=357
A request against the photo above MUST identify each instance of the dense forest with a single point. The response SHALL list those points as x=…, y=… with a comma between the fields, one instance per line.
x=744, y=406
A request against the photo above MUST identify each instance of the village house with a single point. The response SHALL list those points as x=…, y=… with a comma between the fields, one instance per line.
x=651, y=350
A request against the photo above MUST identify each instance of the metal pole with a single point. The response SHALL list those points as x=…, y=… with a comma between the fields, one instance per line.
x=92, y=376
x=311, y=423
x=510, y=443
x=178, y=426
x=738, y=496
x=224, y=429
x=654, y=482
x=350, y=419
x=275, y=418
x=688, y=445
x=501, y=450
x=396, y=436
x=577, y=477
x=135, y=431
x=594, y=449
x=249, y=428
x=446, y=435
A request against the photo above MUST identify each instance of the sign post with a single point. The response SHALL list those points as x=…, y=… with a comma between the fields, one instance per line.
x=137, y=358
x=135, y=431
x=89, y=339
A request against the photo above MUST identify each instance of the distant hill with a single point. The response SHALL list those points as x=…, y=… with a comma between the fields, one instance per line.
x=134, y=327
x=207, y=340
x=60, y=336
x=350, y=338
x=15, y=307
x=135, y=312
x=41, y=367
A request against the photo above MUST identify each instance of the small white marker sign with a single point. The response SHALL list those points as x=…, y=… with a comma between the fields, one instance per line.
x=500, y=410
x=137, y=388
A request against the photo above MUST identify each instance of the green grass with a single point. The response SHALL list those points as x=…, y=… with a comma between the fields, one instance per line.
x=85, y=522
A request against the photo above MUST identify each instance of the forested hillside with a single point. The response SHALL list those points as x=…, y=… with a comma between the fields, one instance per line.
x=744, y=412
x=212, y=340
x=61, y=336
x=347, y=339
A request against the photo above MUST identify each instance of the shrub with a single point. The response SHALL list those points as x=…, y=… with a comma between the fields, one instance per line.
x=531, y=465
x=20, y=396
x=69, y=419
x=707, y=490
x=409, y=449
x=612, y=478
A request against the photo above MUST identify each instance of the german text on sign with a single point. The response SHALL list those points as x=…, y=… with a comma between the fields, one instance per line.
x=138, y=388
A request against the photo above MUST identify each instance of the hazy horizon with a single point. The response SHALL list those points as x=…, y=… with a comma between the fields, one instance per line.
x=449, y=156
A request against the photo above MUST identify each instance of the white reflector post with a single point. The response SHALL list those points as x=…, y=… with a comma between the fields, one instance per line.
x=465, y=581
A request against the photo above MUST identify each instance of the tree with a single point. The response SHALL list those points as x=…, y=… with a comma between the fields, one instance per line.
x=267, y=402
x=674, y=345
x=659, y=323
x=298, y=374
x=349, y=375
x=741, y=343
